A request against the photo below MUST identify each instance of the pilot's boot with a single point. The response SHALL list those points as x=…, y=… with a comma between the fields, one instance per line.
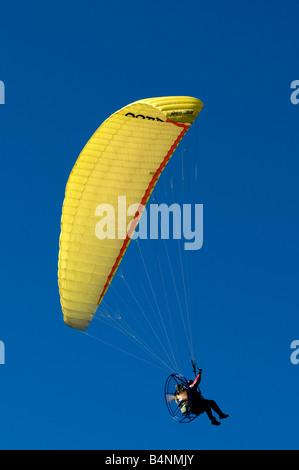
x=215, y=422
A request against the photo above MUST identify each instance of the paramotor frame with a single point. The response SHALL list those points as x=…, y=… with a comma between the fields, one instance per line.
x=178, y=398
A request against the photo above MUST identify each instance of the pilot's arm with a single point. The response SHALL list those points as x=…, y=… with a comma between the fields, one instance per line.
x=197, y=380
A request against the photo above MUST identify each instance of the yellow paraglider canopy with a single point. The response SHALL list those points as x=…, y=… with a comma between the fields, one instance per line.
x=124, y=157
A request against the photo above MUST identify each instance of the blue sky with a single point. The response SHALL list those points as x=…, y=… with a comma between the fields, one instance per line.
x=66, y=67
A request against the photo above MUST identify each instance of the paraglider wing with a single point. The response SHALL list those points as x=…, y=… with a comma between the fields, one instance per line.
x=124, y=157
